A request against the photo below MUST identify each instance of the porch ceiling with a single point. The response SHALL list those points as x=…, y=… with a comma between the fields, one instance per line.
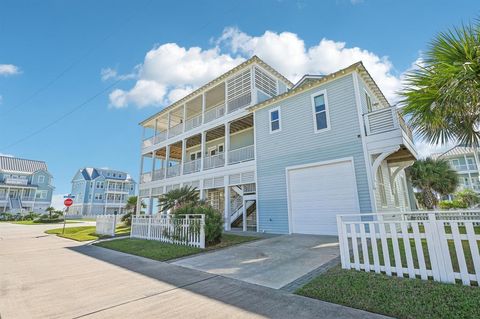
x=241, y=124
x=402, y=155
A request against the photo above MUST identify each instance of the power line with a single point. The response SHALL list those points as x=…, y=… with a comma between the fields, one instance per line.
x=60, y=118
x=73, y=64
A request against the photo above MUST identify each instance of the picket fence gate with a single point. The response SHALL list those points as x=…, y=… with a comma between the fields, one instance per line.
x=183, y=230
x=106, y=224
x=438, y=245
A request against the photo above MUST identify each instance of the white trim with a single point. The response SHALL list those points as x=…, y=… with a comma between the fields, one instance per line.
x=366, y=155
x=314, y=113
x=277, y=109
x=334, y=161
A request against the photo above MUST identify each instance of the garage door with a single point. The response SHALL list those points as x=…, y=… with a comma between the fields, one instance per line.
x=318, y=193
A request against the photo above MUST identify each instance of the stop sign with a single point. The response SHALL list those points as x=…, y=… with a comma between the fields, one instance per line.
x=68, y=202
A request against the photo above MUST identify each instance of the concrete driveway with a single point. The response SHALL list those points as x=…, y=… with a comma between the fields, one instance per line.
x=44, y=276
x=273, y=262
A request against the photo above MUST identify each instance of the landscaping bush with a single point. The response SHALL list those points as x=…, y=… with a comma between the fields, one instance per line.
x=213, y=220
x=127, y=219
x=452, y=204
x=49, y=218
x=31, y=216
x=6, y=216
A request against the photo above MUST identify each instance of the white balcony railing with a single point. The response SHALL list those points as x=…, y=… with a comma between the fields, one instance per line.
x=173, y=171
x=384, y=120
x=147, y=142
x=158, y=174
x=160, y=137
x=146, y=177
x=214, y=161
x=242, y=154
x=191, y=166
x=175, y=130
x=464, y=167
x=28, y=198
x=16, y=181
x=214, y=113
x=193, y=122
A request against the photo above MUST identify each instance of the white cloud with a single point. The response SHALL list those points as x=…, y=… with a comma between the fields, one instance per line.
x=425, y=149
x=170, y=71
x=9, y=69
x=110, y=73
x=288, y=53
x=57, y=201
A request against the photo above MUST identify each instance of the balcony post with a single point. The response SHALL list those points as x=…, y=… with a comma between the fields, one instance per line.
x=184, y=154
x=184, y=117
x=167, y=159
x=155, y=132
x=168, y=124
x=153, y=165
x=227, y=204
x=226, y=147
x=203, y=108
x=203, y=147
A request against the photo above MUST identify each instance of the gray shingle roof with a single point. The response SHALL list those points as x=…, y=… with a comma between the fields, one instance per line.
x=14, y=164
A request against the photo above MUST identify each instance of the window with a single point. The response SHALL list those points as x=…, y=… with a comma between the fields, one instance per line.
x=41, y=179
x=320, y=111
x=369, y=102
x=192, y=156
x=220, y=148
x=274, y=120
x=41, y=195
x=199, y=155
x=212, y=151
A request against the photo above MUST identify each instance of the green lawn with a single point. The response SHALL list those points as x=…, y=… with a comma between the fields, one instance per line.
x=163, y=251
x=393, y=296
x=85, y=233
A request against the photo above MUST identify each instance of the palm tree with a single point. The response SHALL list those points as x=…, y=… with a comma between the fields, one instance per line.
x=442, y=96
x=50, y=210
x=178, y=197
x=432, y=178
x=131, y=205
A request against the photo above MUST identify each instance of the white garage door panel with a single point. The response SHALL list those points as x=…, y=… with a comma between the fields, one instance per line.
x=318, y=193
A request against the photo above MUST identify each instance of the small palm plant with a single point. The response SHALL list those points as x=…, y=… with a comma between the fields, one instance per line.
x=178, y=197
x=50, y=210
x=432, y=178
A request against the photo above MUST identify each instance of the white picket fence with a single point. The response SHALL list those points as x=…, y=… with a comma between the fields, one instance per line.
x=106, y=224
x=183, y=230
x=440, y=245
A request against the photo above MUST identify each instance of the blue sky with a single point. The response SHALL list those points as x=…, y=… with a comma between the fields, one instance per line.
x=140, y=55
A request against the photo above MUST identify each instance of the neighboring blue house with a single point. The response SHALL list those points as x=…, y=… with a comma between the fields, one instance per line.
x=279, y=157
x=25, y=185
x=100, y=191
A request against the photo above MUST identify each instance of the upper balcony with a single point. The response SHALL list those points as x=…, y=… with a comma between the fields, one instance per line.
x=222, y=146
x=386, y=127
x=237, y=92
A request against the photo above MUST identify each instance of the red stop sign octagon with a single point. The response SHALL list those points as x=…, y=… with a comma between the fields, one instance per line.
x=68, y=202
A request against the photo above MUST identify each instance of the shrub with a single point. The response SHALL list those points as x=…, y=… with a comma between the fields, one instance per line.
x=213, y=220
x=6, y=216
x=468, y=197
x=31, y=216
x=127, y=219
x=452, y=204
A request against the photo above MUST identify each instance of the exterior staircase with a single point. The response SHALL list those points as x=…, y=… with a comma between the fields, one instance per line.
x=236, y=207
x=15, y=204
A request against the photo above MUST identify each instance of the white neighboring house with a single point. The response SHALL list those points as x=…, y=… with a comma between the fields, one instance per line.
x=463, y=160
x=25, y=185
x=100, y=191
x=277, y=157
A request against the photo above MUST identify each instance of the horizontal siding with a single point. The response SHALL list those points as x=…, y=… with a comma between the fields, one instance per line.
x=297, y=144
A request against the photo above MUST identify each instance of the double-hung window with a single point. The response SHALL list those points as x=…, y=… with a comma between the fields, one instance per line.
x=320, y=111
x=275, y=120
x=369, y=102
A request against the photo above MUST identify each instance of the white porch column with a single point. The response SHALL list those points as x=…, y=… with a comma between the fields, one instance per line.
x=184, y=155
x=139, y=201
x=150, y=204
x=167, y=159
x=153, y=164
x=203, y=147
x=226, y=212
x=155, y=132
x=203, y=108
x=168, y=124
x=184, y=117
x=226, y=147
x=244, y=215
x=202, y=190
